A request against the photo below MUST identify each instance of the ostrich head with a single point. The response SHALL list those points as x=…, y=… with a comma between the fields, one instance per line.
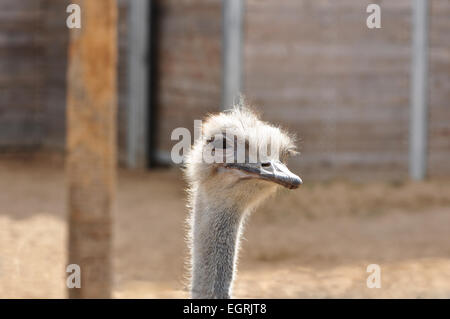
x=240, y=159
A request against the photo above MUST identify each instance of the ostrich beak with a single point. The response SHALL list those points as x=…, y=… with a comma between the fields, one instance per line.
x=273, y=171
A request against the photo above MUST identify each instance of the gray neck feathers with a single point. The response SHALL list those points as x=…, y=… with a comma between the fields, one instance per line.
x=215, y=239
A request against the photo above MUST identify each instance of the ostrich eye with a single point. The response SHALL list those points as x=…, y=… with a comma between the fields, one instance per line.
x=224, y=143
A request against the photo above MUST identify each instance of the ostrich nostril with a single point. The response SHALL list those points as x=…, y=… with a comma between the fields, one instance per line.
x=267, y=164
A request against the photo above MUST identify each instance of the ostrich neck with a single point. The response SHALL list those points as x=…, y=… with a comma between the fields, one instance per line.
x=215, y=240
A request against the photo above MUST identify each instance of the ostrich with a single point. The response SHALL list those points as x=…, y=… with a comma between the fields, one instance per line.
x=221, y=195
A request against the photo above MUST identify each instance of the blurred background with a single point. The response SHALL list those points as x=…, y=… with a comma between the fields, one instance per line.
x=313, y=67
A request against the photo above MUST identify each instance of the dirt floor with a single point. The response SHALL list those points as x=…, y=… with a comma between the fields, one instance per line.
x=315, y=242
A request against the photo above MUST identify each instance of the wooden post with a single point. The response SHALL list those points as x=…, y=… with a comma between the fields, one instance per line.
x=91, y=143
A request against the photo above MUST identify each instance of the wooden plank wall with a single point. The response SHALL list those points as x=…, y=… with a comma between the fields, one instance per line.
x=54, y=60
x=439, y=89
x=312, y=66
x=315, y=67
x=189, y=65
x=33, y=59
x=21, y=73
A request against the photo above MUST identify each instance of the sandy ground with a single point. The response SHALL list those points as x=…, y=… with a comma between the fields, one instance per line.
x=315, y=242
